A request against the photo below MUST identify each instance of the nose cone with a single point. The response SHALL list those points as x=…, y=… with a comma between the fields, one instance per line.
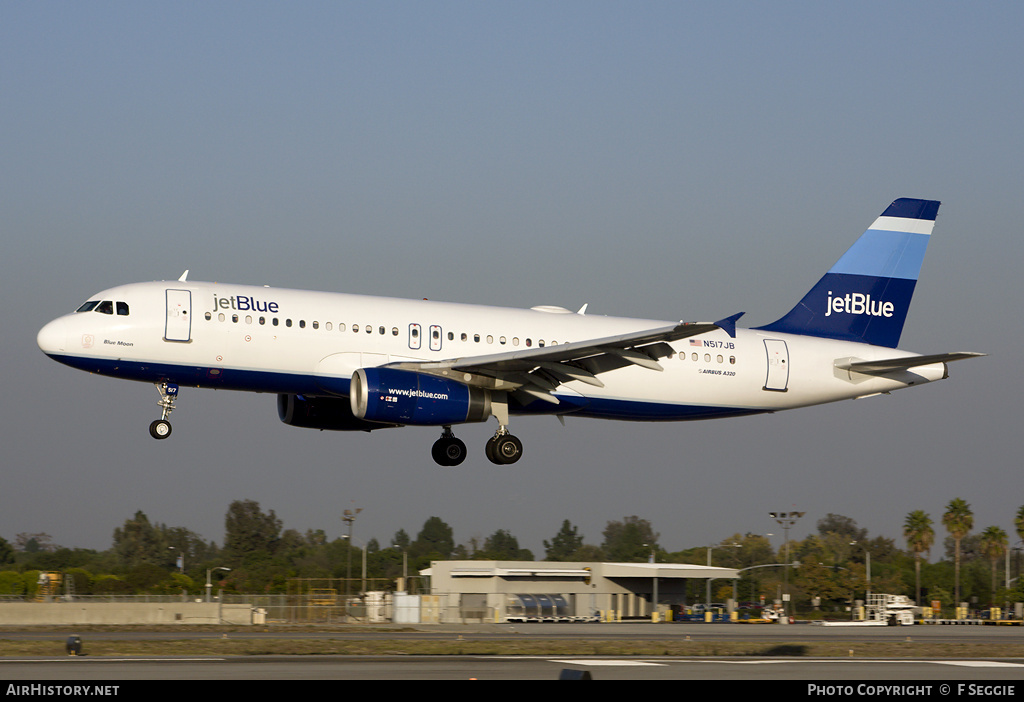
x=52, y=338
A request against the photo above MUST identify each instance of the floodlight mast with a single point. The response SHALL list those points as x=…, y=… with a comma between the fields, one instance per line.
x=786, y=519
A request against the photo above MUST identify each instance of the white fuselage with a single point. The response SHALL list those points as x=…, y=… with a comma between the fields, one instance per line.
x=272, y=340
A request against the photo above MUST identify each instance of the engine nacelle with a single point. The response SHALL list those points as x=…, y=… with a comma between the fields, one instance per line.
x=330, y=413
x=407, y=397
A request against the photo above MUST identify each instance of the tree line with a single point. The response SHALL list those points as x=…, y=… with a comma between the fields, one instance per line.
x=259, y=555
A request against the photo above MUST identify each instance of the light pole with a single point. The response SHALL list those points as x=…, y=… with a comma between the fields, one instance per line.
x=707, y=585
x=405, y=568
x=786, y=519
x=349, y=516
x=363, y=547
x=209, y=585
x=867, y=564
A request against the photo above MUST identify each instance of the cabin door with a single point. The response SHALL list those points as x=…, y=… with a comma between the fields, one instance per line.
x=178, y=326
x=778, y=365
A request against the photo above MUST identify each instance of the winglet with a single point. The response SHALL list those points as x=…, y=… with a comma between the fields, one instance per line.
x=728, y=325
x=184, y=276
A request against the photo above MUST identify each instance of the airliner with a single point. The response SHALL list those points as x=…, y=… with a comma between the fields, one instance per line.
x=358, y=363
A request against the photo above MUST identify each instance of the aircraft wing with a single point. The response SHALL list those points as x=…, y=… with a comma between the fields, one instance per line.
x=891, y=365
x=534, y=373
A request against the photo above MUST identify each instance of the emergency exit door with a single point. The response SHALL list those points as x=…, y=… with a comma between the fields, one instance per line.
x=778, y=365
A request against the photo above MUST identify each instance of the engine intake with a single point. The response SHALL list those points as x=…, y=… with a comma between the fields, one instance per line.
x=408, y=397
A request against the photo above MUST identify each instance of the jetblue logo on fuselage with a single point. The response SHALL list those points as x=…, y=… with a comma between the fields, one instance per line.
x=244, y=303
x=858, y=303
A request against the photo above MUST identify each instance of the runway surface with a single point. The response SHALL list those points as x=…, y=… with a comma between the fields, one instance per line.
x=464, y=667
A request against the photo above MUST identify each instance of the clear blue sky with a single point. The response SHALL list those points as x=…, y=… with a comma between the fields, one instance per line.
x=670, y=160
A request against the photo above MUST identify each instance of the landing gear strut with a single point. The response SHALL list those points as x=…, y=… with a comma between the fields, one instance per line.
x=161, y=428
x=448, y=451
x=502, y=448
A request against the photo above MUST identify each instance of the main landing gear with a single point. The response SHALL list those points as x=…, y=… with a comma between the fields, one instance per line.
x=161, y=428
x=501, y=449
x=448, y=451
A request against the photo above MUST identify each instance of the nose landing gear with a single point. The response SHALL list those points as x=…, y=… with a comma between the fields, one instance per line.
x=161, y=428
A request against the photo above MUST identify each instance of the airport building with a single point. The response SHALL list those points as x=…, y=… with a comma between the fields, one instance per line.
x=558, y=591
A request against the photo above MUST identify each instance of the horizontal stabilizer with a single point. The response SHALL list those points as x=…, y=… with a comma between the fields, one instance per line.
x=891, y=365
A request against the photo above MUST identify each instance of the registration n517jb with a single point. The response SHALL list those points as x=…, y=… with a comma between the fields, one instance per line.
x=352, y=362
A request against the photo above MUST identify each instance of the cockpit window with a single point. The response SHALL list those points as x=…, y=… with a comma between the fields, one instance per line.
x=105, y=307
x=88, y=306
x=122, y=309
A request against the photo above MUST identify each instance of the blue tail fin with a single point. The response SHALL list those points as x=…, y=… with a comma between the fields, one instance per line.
x=865, y=295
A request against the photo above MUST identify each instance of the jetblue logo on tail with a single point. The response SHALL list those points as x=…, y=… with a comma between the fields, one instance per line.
x=865, y=296
x=857, y=303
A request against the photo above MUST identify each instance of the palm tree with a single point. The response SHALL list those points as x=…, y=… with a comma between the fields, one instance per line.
x=993, y=545
x=920, y=536
x=958, y=521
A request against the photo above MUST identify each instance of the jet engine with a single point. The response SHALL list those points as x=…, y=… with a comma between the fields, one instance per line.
x=407, y=397
x=320, y=413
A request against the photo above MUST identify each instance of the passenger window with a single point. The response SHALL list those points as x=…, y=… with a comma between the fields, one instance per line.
x=287, y=322
x=383, y=331
x=316, y=325
x=394, y=331
x=122, y=309
x=302, y=324
x=208, y=316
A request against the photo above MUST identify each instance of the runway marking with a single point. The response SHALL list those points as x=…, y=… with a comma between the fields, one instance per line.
x=981, y=664
x=594, y=662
